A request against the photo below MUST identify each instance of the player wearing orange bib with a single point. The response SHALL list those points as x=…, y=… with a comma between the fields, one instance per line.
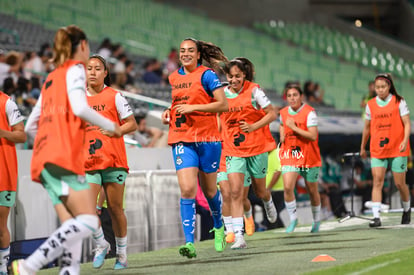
x=387, y=122
x=299, y=154
x=106, y=164
x=197, y=96
x=245, y=144
x=11, y=132
x=58, y=156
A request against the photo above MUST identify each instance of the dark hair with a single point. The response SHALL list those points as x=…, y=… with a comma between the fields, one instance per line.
x=210, y=54
x=387, y=77
x=35, y=82
x=65, y=43
x=22, y=84
x=107, y=79
x=8, y=86
x=140, y=116
x=106, y=43
x=244, y=65
x=293, y=86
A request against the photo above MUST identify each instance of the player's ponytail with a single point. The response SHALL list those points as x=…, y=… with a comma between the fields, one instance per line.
x=210, y=55
x=65, y=43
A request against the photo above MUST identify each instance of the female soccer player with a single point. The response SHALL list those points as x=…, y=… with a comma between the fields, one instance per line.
x=11, y=132
x=387, y=122
x=58, y=157
x=197, y=95
x=106, y=164
x=299, y=154
x=245, y=141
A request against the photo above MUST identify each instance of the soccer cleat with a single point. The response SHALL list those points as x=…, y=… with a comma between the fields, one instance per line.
x=230, y=237
x=17, y=268
x=240, y=243
x=406, y=217
x=292, y=226
x=100, y=253
x=121, y=262
x=188, y=250
x=315, y=227
x=376, y=222
x=219, y=238
x=271, y=212
x=249, y=225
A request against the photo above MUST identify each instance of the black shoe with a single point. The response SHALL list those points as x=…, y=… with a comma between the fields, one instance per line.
x=406, y=217
x=375, y=222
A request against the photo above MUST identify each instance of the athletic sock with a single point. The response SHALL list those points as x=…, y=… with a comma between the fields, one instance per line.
x=376, y=206
x=121, y=245
x=268, y=203
x=291, y=209
x=248, y=213
x=228, y=223
x=188, y=214
x=70, y=261
x=238, y=225
x=99, y=237
x=215, y=204
x=65, y=236
x=4, y=258
x=406, y=205
x=316, y=213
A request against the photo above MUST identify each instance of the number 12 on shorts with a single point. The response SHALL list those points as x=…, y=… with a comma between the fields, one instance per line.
x=179, y=149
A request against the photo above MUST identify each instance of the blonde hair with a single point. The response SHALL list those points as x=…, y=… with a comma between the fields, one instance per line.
x=65, y=43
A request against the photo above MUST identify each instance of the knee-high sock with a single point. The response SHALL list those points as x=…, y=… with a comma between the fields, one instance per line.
x=188, y=214
x=215, y=204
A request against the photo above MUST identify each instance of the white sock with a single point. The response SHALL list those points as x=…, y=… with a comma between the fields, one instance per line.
x=268, y=203
x=248, y=213
x=228, y=223
x=406, y=205
x=238, y=225
x=316, y=213
x=99, y=237
x=376, y=206
x=121, y=246
x=291, y=209
x=4, y=258
x=65, y=236
x=70, y=261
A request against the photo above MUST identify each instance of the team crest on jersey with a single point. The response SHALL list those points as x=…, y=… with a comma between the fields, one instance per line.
x=178, y=160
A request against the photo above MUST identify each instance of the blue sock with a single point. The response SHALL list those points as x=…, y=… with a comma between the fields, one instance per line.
x=188, y=214
x=215, y=204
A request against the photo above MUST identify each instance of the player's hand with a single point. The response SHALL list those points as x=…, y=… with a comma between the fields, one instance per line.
x=246, y=127
x=166, y=116
x=363, y=153
x=290, y=122
x=184, y=108
x=403, y=146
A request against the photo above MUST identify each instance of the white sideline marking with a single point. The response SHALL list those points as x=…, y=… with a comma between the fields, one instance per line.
x=374, y=267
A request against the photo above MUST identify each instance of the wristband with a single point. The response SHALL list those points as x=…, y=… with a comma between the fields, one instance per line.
x=98, y=207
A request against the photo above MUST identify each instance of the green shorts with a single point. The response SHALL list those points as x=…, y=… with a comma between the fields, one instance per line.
x=57, y=182
x=117, y=175
x=398, y=164
x=7, y=198
x=310, y=174
x=222, y=176
x=256, y=166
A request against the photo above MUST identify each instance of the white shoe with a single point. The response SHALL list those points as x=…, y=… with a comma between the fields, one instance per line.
x=240, y=243
x=271, y=212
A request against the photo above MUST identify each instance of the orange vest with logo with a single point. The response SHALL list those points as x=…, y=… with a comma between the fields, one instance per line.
x=60, y=136
x=8, y=157
x=387, y=130
x=103, y=151
x=299, y=151
x=195, y=126
x=238, y=143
